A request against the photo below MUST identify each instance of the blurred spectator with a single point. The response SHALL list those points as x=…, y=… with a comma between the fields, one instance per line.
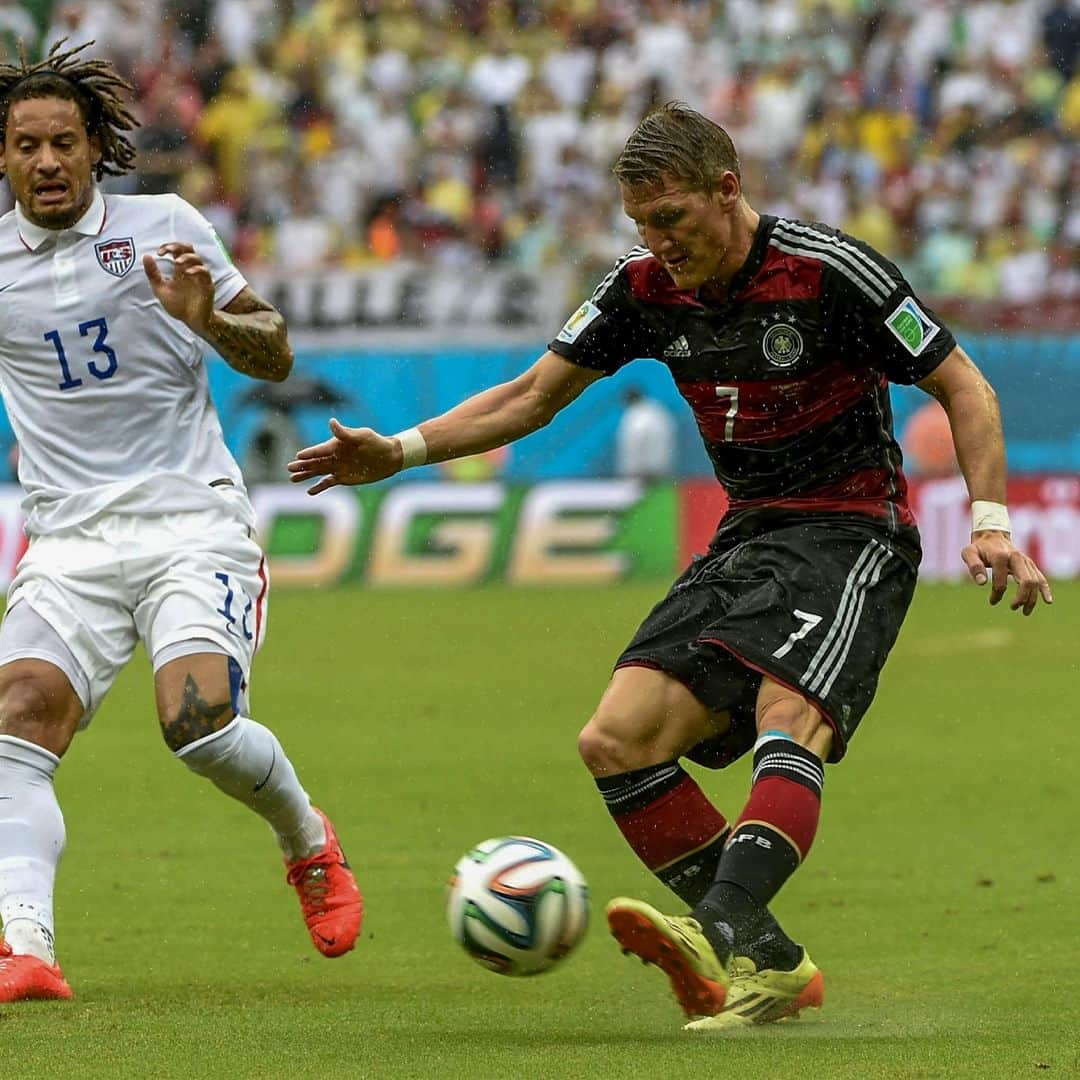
x=1070, y=108
x=233, y=123
x=869, y=220
x=128, y=33
x=384, y=228
x=1061, y=32
x=534, y=239
x=446, y=194
x=16, y=24
x=1024, y=271
x=201, y=187
x=78, y=22
x=606, y=127
x=927, y=443
x=304, y=239
x=271, y=447
x=381, y=126
x=191, y=18
x=548, y=127
x=645, y=439
x=569, y=71
x=972, y=273
x=165, y=151
x=239, y=24
x=498, y=76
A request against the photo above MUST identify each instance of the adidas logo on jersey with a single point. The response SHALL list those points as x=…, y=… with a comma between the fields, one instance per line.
x=679, y=349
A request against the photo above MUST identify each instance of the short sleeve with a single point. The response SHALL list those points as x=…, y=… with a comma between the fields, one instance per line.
x=607, y=331
x=883, y=324
x=190, y=227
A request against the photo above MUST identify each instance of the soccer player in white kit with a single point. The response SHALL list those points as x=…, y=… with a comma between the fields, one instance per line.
x=140, y=527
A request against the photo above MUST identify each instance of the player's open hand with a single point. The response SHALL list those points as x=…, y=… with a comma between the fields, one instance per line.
x=352, y=456
x=188, y=293
x=991, y=556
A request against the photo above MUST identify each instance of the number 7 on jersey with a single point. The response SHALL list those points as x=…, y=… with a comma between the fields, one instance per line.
x=731, y=395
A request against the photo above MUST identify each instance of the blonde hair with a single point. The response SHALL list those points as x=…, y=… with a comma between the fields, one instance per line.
x=676, y=141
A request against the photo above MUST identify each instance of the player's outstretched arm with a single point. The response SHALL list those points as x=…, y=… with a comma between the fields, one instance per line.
x=249, y=333
x=975, y=421
x=492, y=418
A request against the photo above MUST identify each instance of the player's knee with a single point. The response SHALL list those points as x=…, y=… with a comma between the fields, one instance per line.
x=615, y=743
x=26, y=711
x=594, y=748
x=195, y=696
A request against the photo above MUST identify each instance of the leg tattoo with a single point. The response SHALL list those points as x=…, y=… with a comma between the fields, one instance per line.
x=196, y=718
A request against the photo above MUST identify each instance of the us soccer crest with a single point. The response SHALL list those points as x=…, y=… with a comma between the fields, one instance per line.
x=782, y=344
x=116, y=257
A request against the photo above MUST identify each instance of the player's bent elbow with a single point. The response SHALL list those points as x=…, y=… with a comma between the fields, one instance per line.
x=279, y=370
x=282, y=369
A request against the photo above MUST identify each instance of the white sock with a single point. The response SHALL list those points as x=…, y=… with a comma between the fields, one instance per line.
x=31, y=843
x=245, y=760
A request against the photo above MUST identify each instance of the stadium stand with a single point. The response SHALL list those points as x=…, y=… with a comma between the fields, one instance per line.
x=319, y=133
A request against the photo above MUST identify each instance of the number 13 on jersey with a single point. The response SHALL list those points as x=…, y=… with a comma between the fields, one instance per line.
x=99, y=371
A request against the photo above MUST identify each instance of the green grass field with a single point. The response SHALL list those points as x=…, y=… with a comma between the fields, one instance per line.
x=940, y=898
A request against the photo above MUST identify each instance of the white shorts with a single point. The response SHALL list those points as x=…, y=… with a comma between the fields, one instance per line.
x=162, y=579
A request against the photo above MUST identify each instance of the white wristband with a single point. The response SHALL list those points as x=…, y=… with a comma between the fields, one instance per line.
x=989, y=515
x=413, y=448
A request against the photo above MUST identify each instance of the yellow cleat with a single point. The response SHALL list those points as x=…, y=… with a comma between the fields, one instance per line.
x=676, y=945
x=762, y=997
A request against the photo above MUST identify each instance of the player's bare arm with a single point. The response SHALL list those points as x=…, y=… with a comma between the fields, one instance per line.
x=249, y=333
x=975, y=421
x=492, y=418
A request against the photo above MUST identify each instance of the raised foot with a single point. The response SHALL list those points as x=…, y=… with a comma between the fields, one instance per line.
x=676, y=945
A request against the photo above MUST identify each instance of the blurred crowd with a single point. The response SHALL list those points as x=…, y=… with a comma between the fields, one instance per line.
x=465, y=132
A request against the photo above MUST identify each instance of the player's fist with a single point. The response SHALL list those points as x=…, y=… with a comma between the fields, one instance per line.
x=351, y=456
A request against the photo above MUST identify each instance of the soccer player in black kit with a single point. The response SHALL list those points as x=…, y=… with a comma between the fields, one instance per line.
x=783, y=337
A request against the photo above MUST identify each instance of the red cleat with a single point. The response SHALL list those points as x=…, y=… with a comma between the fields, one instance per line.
x=26, y=978
x=329, y=898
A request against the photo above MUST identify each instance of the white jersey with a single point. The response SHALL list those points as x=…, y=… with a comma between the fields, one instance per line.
x=107, y=393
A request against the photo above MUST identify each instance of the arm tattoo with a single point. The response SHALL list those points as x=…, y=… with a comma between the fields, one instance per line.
x=195, y=718
x=251, y=336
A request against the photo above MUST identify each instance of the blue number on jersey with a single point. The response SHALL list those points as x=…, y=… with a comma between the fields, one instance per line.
x=99, y=346
x=69, y=383
x=227, y=611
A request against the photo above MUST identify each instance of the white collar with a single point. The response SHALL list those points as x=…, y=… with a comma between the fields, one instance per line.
x=90, y=224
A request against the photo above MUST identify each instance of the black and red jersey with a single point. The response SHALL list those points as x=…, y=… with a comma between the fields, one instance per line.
x=788, y=379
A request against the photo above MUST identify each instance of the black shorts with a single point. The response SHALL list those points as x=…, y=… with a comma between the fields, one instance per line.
x=815, y=603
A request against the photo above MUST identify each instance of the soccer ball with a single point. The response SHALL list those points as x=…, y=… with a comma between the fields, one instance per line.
x=517, y=905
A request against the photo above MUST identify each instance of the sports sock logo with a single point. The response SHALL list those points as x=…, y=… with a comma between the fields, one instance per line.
x=761, y=841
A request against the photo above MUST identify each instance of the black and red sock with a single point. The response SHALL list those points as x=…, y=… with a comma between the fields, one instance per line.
x=672, y=827
x=771, y=838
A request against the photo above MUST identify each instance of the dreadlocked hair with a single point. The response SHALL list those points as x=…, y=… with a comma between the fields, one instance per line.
x=94, y=85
